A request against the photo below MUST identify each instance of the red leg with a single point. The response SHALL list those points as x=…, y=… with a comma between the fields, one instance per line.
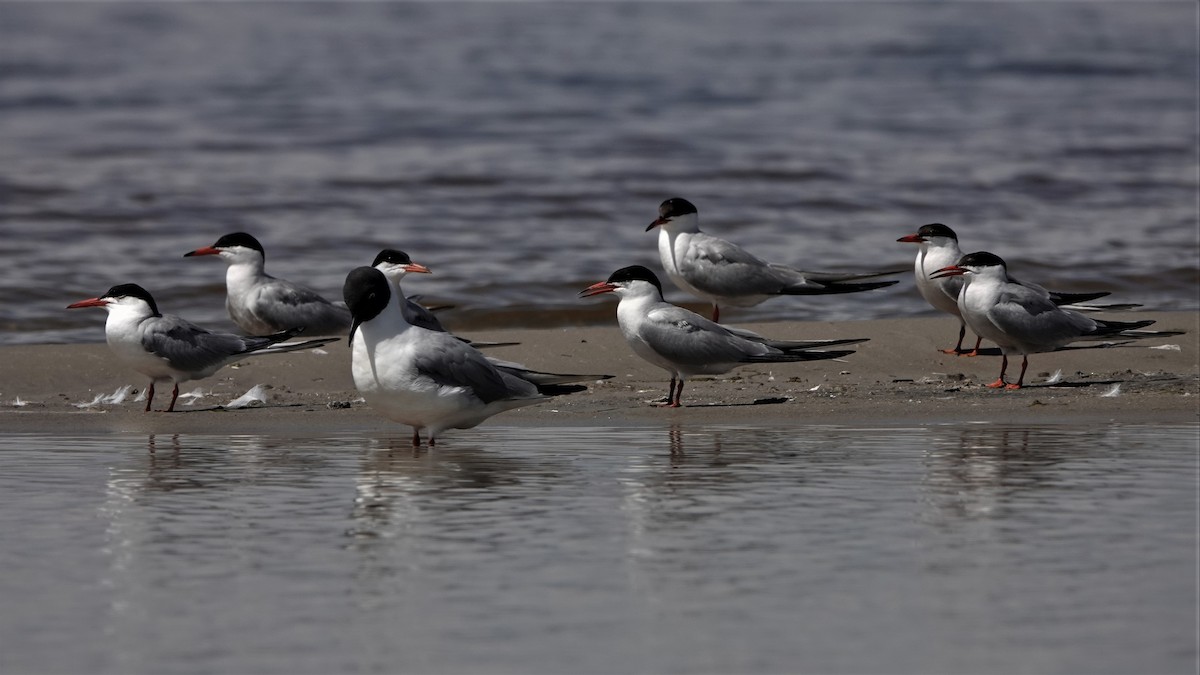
x=149, y=395
x=962, y=333
x=1021, y=379
x=1003, y=367
x=975, y=351
x=174, y=395
x=416, y=441
x=716, y=313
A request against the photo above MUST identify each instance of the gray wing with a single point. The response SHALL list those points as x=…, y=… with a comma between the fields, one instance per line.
x=418, y=315
x=1061, y=299
x=791, y=344
x=287, y=305
x=1030, y=317
x=541, y=378
x=1036, y=289
x=950, y=286
x=186, y=346
x=451, y=362
x=719, y=267
x=685, y=337
x=747, y=334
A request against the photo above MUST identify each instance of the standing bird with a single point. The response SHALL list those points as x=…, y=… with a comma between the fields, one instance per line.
x=684, y=343
x=1023, y=320
x=427, y=379
x=396, y=264
x=259, y=303
x=939, y=249
x=167, y=347
x=723, y=273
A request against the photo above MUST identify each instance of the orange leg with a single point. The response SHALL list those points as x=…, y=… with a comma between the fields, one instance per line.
x=1000, y=381
x=975, y=351
x=958, y=350
x=962, y=333
x=1021, y=379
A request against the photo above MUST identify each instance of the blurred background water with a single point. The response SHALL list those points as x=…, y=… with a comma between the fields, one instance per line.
x=520, y=149
x=964, y=548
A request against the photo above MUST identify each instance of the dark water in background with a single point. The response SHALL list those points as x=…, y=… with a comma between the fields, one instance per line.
x=965, y=548
x=520, y=150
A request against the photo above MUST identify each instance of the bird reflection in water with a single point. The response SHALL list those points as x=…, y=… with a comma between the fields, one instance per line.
x=982, y=467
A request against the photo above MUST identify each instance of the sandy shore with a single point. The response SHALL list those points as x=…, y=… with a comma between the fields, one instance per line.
x=898, y=377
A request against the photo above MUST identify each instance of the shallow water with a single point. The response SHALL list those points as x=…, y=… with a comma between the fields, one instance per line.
x=969, y=548
x=520, y=149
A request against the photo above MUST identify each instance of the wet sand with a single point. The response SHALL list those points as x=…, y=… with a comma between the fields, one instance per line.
x=898, y=378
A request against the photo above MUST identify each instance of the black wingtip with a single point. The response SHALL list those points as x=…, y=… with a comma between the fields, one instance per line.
x=834, y=288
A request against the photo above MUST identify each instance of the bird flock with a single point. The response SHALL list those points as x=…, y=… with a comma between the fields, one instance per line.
x=411, y=370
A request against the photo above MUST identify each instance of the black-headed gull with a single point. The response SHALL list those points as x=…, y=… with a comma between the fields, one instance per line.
x=427, y=379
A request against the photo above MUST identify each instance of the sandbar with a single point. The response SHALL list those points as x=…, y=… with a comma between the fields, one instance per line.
x=898, y=378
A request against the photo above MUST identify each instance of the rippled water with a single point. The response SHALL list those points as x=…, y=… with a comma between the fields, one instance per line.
x=961, y=548
x=520, y=149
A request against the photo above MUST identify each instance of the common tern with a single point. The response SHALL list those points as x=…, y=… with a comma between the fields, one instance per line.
x=167, y=347
x=424, y=378
x=396, y=264
x=261, y=304
x=684, y=343
x=724, y=273
x=938, y=249
x=1022, y=320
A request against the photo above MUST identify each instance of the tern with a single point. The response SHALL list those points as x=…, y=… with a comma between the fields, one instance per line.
x=261, y=304
x=723, y=273
x=684, y=343
x=939, y=249
x=1023, y=320
x=424, y=378
x=396, y=264
x=167, y=347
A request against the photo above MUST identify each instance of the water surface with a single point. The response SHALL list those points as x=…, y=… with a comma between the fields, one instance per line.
x=971, y=548
x=520, y=149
